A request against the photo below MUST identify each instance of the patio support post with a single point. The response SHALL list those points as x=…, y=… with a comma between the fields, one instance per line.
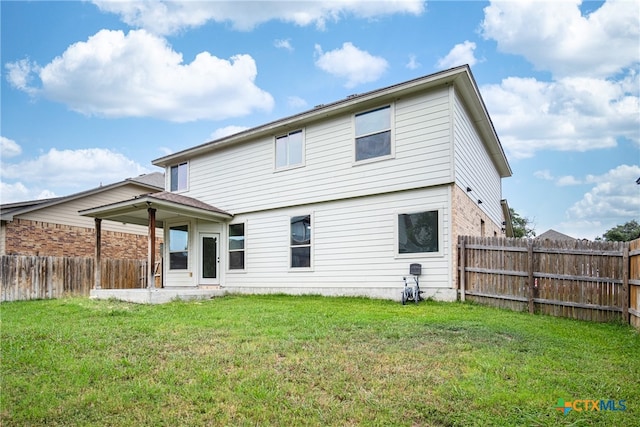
x=97, y=270
x=151, y=260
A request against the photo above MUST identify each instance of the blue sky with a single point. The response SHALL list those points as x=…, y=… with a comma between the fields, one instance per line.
x=92, y=92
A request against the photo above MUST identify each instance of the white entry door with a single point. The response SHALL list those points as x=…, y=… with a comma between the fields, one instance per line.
x=209, y=258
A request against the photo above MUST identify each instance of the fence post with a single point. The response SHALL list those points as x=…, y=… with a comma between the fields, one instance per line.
x=461, y=267
x=530, y=276
x=626, y=302
x=97, y=267
x=151, y=249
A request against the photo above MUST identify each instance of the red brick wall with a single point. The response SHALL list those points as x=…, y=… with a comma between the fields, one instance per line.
x=466, y=220
x=26, y=237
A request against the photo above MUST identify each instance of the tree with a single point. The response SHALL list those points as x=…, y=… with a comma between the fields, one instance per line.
x=522, y=227
x=623, y=233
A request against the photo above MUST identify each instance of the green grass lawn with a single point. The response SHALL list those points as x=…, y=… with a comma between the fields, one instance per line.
x=288, y=361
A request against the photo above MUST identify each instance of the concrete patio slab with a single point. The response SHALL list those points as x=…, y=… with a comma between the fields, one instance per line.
x=156, y=296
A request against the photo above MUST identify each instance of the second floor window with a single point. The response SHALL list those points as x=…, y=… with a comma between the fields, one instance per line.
x=373, y=133
x=179, y=175
x=289, y=149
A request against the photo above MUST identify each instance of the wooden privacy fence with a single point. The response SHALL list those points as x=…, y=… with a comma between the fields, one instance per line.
x=634, y=283
x=598, y=281
x=38, y=277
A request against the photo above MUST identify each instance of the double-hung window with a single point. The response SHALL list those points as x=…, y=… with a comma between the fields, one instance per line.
x=236, y=247
x=179, y=175
x=289, y=150
x=301, y=241
x=419, y=232
x=373, y=133
x=178, y=247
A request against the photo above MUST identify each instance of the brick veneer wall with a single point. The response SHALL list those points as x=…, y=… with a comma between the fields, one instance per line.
x=466, y=220
x=26, y=237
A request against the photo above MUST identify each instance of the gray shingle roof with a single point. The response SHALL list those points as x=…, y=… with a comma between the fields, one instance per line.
x=186, y=201
x=155, y=179
x=553, y=235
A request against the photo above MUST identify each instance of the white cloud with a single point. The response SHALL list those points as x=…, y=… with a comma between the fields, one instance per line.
x=46, y=194
x=555, y=36
x=226, y=131
x=20, y=75
x=571, y=114
x=348, y=62
x=165, y=150
x=567, y=180
x=13, y=192
x=615, y=199
x=137, y=74
x=543, y=174
x=9, y=148
x=283, y=44
x=562, y=181
x=594, y=97
x=167, y=17
x=296, y=102
x=65, y=172
x=17, y=192
x=413, y=63
x=462, y=53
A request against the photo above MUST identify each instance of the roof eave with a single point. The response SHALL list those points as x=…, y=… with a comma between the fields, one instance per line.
x=119, y=211
x=468, y=88
x=75, y=196
x=391, y=92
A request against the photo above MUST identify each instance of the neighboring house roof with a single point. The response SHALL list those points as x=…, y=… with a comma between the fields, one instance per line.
x=6, y=207
x=153, y=181
x=460, y=77
x=167, y=205
x=553, y=235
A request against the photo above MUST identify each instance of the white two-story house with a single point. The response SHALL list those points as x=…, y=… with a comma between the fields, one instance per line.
x=337, y=200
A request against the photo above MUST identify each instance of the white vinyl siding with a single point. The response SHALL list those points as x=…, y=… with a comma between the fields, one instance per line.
x=473, y=166
x=354, y=244
x=241, y=179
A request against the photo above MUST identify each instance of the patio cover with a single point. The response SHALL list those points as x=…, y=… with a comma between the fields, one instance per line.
x=150, y=210
x=166, y=204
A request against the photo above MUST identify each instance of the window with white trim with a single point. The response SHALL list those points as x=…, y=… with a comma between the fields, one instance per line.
x=419, y=232
x=301, y=241
x=373, y=133
x=236, y=246
x=179, y=175
x=289, y=149
x=178, y=247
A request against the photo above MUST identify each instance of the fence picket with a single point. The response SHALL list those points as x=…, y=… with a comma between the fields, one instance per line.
x=39, y=277
x=577, y=279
